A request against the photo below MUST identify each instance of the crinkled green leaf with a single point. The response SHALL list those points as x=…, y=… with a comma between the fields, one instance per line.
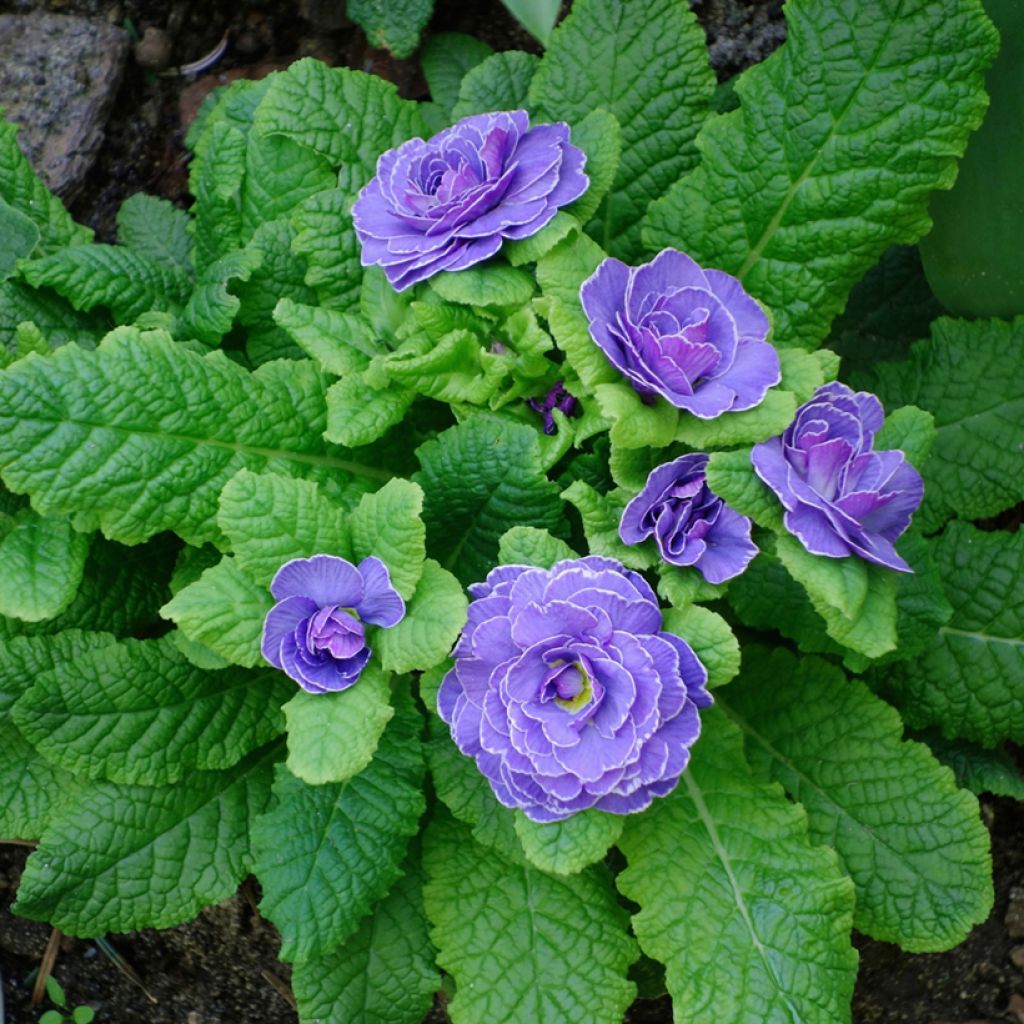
x=682, y=586
x=479, y=479
x=911, y=430
x=975, y=768
x=333, y=736
x=567, y=847
x=970, y=679
x=145, y=433
x=340, y=342
x=41, y=564
x=224, y=609
x=155, y=229
x=325, y=237
x=751, y=921
x=434, y=616
x=710, y=637
x=769, y=419
x=599, y=135
x=446, y=58
x=522, y=945
x=326, y=854
x=914, y=844
x=492, y=284
x=526, y=545
x=271, y=519
x=963, y=377
x=529, y=250
x=635, y=424
x=731, y=476
x=20, y=235
x=359, y=414
x=538, y=17
x=138, y=712
x=648, y=65
x=232, y=107
x=498, y=82
x=387, y=524
x=54, y=316
x=601, y=514
x=121, y=857
x=215, y=179
x=839, y=140
x=349, y=117
x=393, y=25
x=212, y=307
x=384, y=973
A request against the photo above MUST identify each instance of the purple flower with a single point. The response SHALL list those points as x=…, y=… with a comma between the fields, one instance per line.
x=568, y=694
x=449, y=202
x=841, y=498
x=693, y=336
x=315, y=633
x=691, y=525
x=556, y=398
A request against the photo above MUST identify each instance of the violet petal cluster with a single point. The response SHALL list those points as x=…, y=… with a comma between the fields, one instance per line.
x=691, y=525
x=316, y=631
x=841, y=497
x=568, y=693
x=693, y=336
x=557, y=398
x=450, y=201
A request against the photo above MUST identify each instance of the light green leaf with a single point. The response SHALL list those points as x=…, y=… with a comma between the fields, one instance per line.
x=731, y=476
x=803, y=372
x=145, y=433
x=41, y=565
x=567, y=847
x=599, y=135
x=524, y=946
x=326, y=854
x=912, y=431
x=975, y=768
x=333, y=736
x=479, y=479
x=394, y=25
x=387, y=524
x=725, y=863
x=138, y=712
x=270, y=520
x=54, y=316
x=359, y=414
x=340, y=342
x=446, y=58
x=538, y=17
x=492, y=284
x=384, y=973
x=768, y=419
x=919, y=855
x=20, y=235
x=604, y=55
x=601, y=514
x=224, y=609
x=526, y=545
x=433, y=619
x=499, y=82
x=635, y=424
x=215, y=179
x=24, y=658
x=529, y=250
x=681, y=586
x=839, y=140
x=711, y=639
x=970, y=679
x=325, y=237
x=212, y=308
x=156, y=230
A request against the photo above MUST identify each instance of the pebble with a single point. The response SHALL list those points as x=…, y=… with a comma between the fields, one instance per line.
x=1014, y=919
x=1016, y=1006
x=1017, y=956
x=154, y=49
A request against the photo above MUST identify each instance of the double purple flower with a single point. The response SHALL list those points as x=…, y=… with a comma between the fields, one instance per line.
x=568, y=694
x=690, y=524
x=841, y=498
x=449, y=202
x=693, y=336
x=316, y=631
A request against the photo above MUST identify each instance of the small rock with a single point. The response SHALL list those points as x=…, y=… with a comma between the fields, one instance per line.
x=1017, y=956
x=325, y=15
x=154, y=49
x=1014, y=919
x=1016, y=1006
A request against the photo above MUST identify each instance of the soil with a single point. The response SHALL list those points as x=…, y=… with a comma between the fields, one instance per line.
x=222, y=968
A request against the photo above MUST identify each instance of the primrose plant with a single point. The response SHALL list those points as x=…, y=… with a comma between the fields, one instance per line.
x=389, y=526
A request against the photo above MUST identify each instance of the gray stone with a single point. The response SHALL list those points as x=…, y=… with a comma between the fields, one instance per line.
x=740, y=32
x=59, y=75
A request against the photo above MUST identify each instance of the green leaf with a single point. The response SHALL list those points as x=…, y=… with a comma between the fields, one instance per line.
x=326, y=854
x=838, y=142
x=349, y=117
x=635, y=424
x=145, y=433
x=445, y=59
x=975, y=768
x=121, y=857
x=681, y=586
x=269, y=520
x=522, y=945
x=212, y=307
x=83, y=1015
x=601, y=514
x=215, y=179
x=599, y=135
x=526, y=545
x=492, y=284
x=359, y=414
x=529, y=250
x=725, y=863
x=433, y=619
x=804, y=372
x=22, y=189
x=384, y=973
x=340, y=342
x=479, y=479
x=648, y=65
x=499, y=82
x=919, y=855
x=856, y=599
x=970, y=678
x=711, y=639
x=224, y=609
x=111, y=276
x=138, y=712
x=21, y=236
x=962, y=377
x=156, y=230
x=54, y=316
x=394, y=25
x=567, y=847
x=909, y=429
x=731, y=476
x=538, y=17
x=333, y=736
x=52, y=1017
x=769, y=419
x=41, y=566
x=387, y=524
x=326, y=239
